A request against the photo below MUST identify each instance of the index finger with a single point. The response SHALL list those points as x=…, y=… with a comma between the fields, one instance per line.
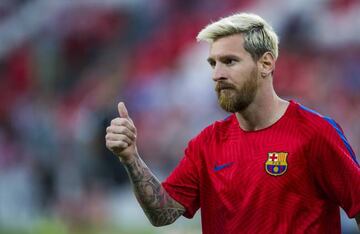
x=124, y=122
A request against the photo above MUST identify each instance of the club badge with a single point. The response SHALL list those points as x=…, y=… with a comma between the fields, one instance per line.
x=276, y=163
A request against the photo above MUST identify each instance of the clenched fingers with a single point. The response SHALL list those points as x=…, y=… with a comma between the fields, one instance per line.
x=118, y=137
x=121, y=130
x=116, y=145
x=123, y=122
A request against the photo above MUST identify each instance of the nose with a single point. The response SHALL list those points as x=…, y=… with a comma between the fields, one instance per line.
x=219, y=73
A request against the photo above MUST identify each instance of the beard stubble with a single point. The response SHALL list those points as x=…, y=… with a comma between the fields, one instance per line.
x=233, y=99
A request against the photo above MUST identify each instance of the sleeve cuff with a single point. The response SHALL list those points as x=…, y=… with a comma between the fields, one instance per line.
x=189, y=212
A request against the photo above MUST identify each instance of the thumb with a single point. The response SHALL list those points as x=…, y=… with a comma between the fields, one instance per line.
x=123, y=111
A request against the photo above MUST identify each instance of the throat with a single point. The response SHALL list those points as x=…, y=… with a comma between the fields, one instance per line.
x=257, y=117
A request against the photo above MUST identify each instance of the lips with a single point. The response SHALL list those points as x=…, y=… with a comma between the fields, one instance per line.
x=223, y=86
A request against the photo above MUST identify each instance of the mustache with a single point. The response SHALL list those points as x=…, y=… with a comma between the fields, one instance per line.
x=223, y=85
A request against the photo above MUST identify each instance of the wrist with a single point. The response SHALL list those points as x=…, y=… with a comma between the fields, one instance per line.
x=128, y=160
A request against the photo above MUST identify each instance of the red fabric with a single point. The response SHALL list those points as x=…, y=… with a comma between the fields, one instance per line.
x=241, y=197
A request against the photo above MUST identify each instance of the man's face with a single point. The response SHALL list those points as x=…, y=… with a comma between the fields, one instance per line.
x=235, y=73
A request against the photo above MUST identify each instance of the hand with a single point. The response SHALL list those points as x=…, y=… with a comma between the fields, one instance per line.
x=121, y=135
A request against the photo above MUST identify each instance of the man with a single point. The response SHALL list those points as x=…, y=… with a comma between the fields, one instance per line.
x=273, y=166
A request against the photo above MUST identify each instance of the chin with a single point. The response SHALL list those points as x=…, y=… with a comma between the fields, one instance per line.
x=232, y=107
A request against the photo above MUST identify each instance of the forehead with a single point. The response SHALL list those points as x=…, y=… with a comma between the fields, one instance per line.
x=233, y=44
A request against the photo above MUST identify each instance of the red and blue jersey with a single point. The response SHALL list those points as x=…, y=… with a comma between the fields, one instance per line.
x=291, y=177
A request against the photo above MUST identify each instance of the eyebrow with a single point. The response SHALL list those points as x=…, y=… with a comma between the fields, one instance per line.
x=222, y=57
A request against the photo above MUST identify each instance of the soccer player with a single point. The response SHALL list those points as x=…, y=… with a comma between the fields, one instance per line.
x=272, y=166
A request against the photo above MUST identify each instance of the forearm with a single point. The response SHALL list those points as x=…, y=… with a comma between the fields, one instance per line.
x=158, y=206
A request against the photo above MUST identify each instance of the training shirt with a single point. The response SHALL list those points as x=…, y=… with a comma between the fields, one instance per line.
x=288, y=178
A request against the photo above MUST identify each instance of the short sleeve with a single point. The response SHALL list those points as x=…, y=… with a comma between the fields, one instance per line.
x=336, y=169
x=183, y=183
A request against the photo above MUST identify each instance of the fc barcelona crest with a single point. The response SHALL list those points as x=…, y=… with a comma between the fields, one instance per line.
x=276, y=163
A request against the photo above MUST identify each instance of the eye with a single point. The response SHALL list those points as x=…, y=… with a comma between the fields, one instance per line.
x=212, y=63
x=229, y=61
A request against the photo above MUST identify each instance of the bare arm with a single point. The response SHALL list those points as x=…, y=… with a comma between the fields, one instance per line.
x=158, y=206
x=357, y=217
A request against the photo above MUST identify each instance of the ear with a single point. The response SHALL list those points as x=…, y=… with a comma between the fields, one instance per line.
x=266, y=64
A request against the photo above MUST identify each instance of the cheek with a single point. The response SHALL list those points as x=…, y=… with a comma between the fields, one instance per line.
x=241, y=74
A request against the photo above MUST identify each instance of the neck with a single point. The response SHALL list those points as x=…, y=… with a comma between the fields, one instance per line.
x=263, y=112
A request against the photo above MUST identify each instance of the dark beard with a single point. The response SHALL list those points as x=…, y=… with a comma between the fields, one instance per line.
x=232, y=99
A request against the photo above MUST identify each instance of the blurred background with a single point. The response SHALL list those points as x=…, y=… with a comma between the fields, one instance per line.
x=65, y=64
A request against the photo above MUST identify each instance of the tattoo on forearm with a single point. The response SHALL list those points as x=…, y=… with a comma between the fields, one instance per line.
x=158, y=206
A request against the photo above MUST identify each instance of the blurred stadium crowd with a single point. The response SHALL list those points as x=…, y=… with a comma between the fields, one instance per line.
x=65, y=64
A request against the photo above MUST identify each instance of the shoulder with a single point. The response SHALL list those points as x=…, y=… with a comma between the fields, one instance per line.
x=325, y=131
x=217, y=130
x=315, y=123
x=327, y=135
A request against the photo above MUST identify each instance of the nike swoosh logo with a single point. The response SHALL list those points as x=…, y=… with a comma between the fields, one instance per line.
x=220, y=167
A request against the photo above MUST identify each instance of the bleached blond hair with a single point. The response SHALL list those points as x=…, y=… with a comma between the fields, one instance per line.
x=259, y=36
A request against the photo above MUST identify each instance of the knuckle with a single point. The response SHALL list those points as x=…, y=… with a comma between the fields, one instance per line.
x=120, y=142
x=119, y=145
x=122, y=129
x=115, y=121
x=112, y=129
x=123, y=138
x=128, y=140
x=125, y=121
x=132, y=136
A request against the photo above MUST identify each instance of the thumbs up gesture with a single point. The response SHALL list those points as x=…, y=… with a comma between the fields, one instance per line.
x=121, y=135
